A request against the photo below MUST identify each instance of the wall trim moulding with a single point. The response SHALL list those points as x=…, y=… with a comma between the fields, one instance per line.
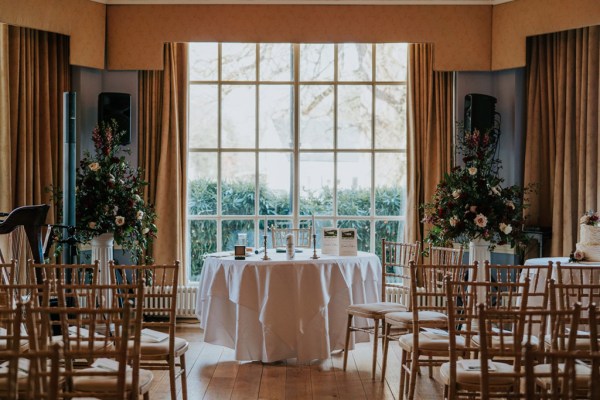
x=311, y=2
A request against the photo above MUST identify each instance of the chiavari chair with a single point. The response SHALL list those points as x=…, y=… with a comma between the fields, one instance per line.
x=100, y=344
x=160, y=348
x=461, y=375
x=395, y=294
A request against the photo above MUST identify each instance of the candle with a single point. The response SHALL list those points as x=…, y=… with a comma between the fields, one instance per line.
x=266, y=226
x=313, y=223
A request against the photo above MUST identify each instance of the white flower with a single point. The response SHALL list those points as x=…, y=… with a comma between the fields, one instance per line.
x=111, y=178
x=454, y=220
x=94, y=166
x=115, y=210
x=456, y=193
x=579, y=255
x=496, y=190
x=481, y=220
x=119, y=220
x=137, y=197
x=473, y=209
x=472, y=170
x=145, y=231
x=510, y=204
x=506, y=229
x=92, y=225
x=139, y=214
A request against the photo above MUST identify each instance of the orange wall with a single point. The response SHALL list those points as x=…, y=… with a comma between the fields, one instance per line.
x=514, y=21
x=82, y=20
x=466, y=38
x=461, y=35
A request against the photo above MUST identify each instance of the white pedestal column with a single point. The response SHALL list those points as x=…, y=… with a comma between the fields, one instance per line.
x=479, y=251
x=102, y=251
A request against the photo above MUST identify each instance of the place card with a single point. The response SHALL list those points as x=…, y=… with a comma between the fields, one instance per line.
x=348, y=242
x=331, y=242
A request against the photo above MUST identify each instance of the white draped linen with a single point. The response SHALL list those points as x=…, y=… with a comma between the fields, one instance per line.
x=279, y=309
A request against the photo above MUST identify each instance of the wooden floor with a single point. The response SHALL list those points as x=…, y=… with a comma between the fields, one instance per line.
x=214, y=374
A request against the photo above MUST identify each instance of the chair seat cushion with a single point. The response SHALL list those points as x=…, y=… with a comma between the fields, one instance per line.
x=508, y=340
x=473, y=377
x=582, y=375
x=429, y=342
x=375, y=309
x=581, y=343
x=98, y=383
x=148, y=347
x=429, y=318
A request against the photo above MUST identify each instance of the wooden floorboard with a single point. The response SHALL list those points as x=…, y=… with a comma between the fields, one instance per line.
x=214, y=374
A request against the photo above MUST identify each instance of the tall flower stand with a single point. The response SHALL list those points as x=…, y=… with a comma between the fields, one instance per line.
x=102, y=251
x=479, y=251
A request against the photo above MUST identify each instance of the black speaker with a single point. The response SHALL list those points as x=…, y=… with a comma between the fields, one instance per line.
x=116, y=106
x=480, y=111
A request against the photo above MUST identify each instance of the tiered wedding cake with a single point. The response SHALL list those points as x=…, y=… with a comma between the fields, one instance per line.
x=589, y=237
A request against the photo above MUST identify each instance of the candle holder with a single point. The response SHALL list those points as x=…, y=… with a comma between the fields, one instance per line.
x=265, y=257
x=314, y=256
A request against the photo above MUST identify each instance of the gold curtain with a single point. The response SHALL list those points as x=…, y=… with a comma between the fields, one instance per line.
x=430, y=129
x=5, y=171
x=562, y=146
x=163, y=149
x=39, y=73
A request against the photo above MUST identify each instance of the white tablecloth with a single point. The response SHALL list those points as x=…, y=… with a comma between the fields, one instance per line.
x=278, y=309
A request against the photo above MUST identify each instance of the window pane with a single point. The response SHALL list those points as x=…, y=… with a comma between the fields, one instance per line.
x=354, y=117
x=316, y=183
x=363, y=232
x=316, y=62
x=316, y=117
x=237, y=183
x=276, y=62
x=202, y=183
x=388, y=230
x=204, y=63
x=230, y=230
x=390, y=117
x=239, y=61
x=355, y=62
x=354, y=184
x=390, y=184
x=203, y=240
x=275, y=123
x=204, y=114
x=238, y=116
x=391, y=60
x=320, y=224
x=275, y=182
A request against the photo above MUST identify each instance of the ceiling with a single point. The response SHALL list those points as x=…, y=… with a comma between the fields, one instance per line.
x=316, y=2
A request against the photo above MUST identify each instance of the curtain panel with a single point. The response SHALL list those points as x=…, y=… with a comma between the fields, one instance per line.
x=430, y=134
x=561, y=144
x=34, y=73
x=162, y=150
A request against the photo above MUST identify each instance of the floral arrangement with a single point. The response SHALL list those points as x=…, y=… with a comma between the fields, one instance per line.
x=109, y=195
x=590, y=218
x=470, y=201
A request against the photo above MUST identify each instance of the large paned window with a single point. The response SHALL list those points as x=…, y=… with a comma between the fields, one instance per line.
x=285, y=131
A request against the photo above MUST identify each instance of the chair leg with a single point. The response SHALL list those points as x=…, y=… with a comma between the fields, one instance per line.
x=172, y=377
x=414, y=369
x=431, y=367
x=375, y=339
x=402, y=374
x=183, y=377
x=386, y=343
x=347, y=341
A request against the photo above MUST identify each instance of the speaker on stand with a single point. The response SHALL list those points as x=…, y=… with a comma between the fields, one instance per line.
x=116, y=106
x=480, y=113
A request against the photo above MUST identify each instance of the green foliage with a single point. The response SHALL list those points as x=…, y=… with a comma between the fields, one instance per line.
x=239, y=199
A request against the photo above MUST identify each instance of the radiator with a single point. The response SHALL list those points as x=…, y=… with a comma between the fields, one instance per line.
x=186, y=302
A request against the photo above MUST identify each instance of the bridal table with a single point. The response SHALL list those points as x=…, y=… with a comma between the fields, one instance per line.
x=278, y=309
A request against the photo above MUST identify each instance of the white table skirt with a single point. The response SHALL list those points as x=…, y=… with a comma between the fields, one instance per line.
x=278, y=309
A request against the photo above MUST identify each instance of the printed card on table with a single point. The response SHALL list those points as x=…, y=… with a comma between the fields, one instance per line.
x=348, y=243
x=331, y=242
